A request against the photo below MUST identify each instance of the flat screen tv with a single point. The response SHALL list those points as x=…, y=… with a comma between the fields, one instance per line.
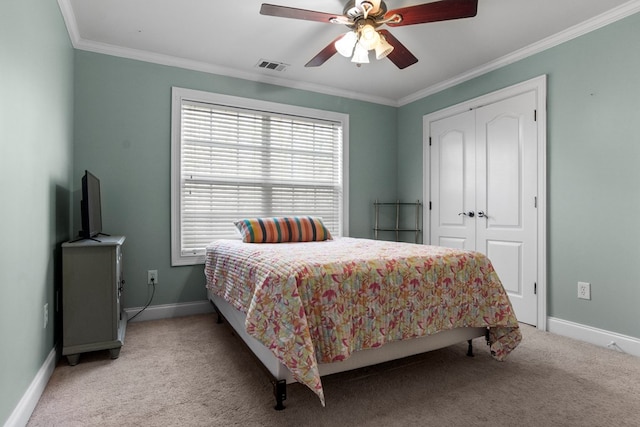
x=90, y=206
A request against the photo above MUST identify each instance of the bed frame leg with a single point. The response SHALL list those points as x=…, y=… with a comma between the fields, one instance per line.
x=279, y=386
x=470, y=348
x=280, y=391
x=220, y=317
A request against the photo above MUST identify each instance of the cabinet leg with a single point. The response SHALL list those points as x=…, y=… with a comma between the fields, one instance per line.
x=73, y=359
x=114, y=352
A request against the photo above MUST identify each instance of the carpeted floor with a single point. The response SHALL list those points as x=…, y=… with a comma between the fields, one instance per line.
x=191, y=371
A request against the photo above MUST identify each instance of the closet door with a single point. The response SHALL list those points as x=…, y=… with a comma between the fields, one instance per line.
x=506, y=197
x=483, y=189
x=453, y=159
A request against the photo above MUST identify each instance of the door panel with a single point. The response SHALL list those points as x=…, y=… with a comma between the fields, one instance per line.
x=503, y=165
x=452, y=242
x=452, y=175
x=453, y=181
x=504, y=256
x=506, y=190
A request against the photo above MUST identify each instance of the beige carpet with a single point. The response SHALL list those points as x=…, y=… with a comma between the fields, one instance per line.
x=191, y=371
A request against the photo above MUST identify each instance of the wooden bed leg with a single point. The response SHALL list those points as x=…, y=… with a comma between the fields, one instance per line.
x=280, y=391
x=470, y=348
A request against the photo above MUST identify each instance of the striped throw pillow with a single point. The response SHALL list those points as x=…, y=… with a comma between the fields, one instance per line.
x=282, y=229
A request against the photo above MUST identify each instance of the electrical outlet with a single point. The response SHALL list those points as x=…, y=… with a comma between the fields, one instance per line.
x=152, y=277
x=46, y=315
x=584, y=290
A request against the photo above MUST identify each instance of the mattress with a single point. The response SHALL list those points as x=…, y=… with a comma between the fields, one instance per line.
x=319, y=302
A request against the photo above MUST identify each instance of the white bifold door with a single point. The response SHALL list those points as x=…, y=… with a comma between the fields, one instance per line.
x=483, y=191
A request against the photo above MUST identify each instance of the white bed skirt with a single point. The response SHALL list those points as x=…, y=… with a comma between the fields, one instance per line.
x=359, y=359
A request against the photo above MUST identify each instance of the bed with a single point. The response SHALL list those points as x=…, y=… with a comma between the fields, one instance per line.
x=309, y=309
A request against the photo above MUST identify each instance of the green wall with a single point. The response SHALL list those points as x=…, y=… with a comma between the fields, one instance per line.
x=122, y=135
x=62, y=112
x=36, y=115
x=593, y=175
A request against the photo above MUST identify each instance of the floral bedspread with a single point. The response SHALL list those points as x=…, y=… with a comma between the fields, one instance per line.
x=318, y=302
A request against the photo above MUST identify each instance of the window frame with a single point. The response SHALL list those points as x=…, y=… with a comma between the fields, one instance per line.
x=179, y=94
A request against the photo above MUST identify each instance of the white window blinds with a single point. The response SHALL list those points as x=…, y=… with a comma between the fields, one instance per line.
x=238, y=162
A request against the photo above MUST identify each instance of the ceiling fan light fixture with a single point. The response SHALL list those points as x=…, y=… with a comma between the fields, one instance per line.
x=369, y=37
x=346, y=44
x=383, y=48
x=360, y=54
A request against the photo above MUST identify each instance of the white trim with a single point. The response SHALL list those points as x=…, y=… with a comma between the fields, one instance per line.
x=23, y=410
x=172, y=61
x=205, y=67
x=599, y=337
x=585, y=27
x=345, y=176
x=539, y=86
x=70, y=20
x=571, y=33
x=541, y=107
x=168, y=311
x=179, y=94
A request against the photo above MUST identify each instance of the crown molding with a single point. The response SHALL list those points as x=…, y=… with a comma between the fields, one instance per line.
x=69, y=20
x=173, y=61
x=571, y=33
x=578, y=30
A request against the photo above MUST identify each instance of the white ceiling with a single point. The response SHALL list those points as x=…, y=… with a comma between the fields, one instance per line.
x=230, y=37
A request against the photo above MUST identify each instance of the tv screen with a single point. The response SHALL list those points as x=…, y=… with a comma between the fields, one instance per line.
x=90, y=206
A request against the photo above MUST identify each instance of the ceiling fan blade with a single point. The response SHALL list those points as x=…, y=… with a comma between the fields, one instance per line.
x=400, y=55
x=325, y=54
x=432, y=12
x=292, y=12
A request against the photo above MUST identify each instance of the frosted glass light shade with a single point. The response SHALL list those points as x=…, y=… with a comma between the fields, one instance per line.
x=360, y=54
x=369, y=37
x=383, y=48
x=345, y=45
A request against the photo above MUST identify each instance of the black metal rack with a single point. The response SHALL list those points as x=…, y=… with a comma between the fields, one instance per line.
x=417, y=230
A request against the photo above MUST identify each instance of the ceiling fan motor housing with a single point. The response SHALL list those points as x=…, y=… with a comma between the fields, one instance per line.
x=355, y=9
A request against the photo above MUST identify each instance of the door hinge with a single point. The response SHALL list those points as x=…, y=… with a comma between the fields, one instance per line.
x=429, y=141
x=535, y=115
x=429, y=204
x=535, y=202
x=535, y=288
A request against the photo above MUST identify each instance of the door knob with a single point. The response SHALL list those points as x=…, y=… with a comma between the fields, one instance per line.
x=471, y=214
x=481, y=214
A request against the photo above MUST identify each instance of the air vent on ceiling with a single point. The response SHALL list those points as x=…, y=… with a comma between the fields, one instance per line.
x=272, y=65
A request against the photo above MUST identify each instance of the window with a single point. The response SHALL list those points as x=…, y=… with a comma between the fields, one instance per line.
x=236, y=157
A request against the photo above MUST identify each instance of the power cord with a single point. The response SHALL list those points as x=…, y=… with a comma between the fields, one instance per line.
x=153, y=292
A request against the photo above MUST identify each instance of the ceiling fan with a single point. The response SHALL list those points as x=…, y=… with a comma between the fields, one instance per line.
x=363, y=17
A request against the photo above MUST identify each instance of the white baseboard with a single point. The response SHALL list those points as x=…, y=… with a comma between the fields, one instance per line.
x=22, y=412
x=166, y=311
x=20, y=415
x=599, y=337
